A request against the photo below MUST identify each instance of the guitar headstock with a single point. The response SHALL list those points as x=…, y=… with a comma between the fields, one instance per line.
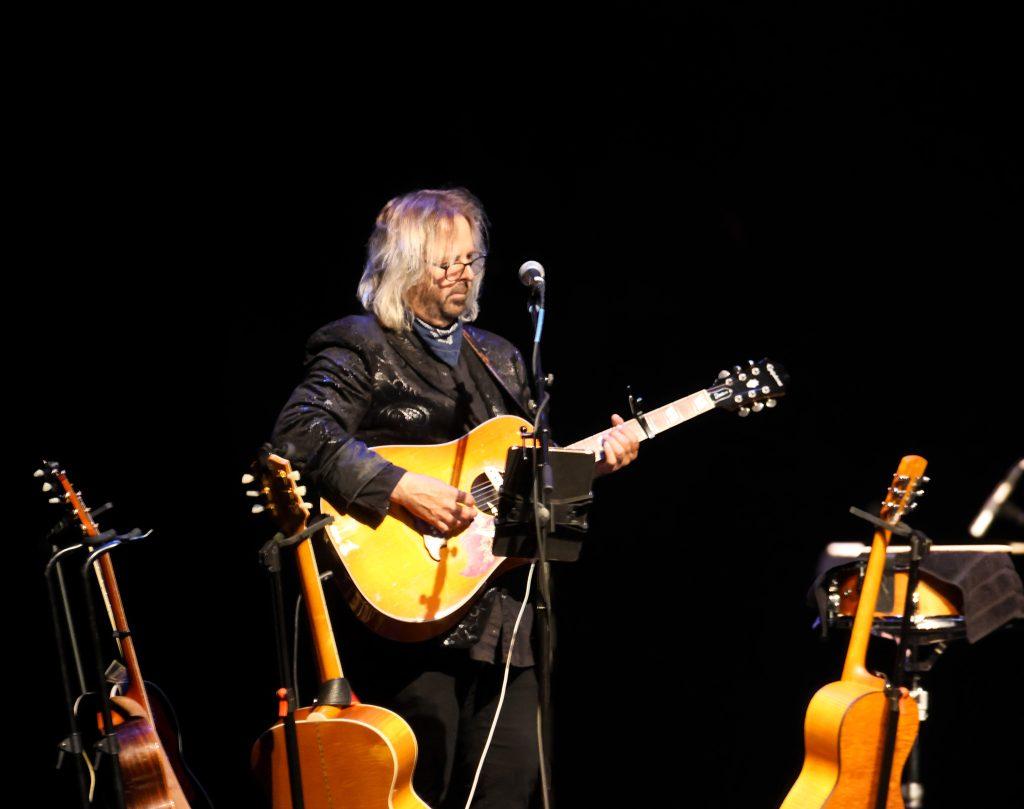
x=57, y=485
x=281, y=494
x=749, y=388
x=902, y=495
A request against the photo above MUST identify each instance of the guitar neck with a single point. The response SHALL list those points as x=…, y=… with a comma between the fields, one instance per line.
x=135, y=689
x=658, y=421
x=855, y=667
x=107, y=581
x=327, y=658
x=898, y=500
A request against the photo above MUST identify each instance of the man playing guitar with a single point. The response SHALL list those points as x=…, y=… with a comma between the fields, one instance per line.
x=413, y=371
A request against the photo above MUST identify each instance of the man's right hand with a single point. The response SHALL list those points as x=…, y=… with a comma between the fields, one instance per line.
x=442, y=507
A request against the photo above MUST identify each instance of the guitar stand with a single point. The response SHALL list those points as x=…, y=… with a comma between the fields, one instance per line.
x=108, y=745
x=270, y=558
x=72, y=744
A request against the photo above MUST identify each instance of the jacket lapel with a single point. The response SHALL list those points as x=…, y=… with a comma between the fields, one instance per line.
x=417, y=357
x=506, y=385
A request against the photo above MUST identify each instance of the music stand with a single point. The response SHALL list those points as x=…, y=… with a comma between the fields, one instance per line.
x=515, y=527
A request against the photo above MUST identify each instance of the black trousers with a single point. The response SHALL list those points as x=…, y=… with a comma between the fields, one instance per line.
x=450, y=706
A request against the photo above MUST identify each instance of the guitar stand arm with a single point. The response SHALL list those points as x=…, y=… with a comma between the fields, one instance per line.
x=270, y=553
x=70, y=745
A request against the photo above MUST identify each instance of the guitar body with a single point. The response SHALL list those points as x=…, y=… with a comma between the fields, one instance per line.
x=363, y=759
x=844, y=730
x=149, y=778
x=395, y=583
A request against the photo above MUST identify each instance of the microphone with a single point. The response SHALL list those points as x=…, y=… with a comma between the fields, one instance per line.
x=996, y=500
x=532, y=274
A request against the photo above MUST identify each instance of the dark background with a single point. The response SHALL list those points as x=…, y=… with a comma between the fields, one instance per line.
x=838, y=191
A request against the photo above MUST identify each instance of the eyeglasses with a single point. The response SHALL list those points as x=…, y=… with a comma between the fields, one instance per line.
x=457, y=268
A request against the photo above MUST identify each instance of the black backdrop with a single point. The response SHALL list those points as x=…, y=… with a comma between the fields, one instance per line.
x=836, y=192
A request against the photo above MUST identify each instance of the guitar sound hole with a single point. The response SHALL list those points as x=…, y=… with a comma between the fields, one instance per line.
x=485, y=495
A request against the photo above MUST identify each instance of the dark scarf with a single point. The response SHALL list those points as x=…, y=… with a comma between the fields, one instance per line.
x=445, y=343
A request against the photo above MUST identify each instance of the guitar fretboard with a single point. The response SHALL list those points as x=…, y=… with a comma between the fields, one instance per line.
x=658, y=420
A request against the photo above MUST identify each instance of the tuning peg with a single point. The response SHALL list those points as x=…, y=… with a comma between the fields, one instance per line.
x=300, y=491
x=919, y=492
x=913, y=506
x=308, y=505
x=38, y=473
x=765, y=390
x=770, y=403
x=926, y=479
x=251, y=493
x=294, y=475
x=754, y=371
x=247, y=479
x=723, y=374
x=257, y=509
x=47, y=487
x=744, y=411
x=757, y=407
x=54, y=500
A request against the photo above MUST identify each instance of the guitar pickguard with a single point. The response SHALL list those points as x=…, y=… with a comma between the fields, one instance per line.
x=433, y=545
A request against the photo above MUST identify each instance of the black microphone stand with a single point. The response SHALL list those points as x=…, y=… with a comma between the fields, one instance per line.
x=543, y=487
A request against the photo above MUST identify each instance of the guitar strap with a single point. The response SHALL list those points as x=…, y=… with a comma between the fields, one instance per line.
x=514, y=397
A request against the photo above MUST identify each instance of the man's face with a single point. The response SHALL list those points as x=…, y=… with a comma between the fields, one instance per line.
x=436, y=299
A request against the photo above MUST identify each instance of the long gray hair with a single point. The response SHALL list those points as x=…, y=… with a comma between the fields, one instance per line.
x=412, y=232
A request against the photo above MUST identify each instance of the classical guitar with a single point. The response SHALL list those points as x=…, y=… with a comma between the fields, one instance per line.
x=409, y=585
x=151, y=767
x=355, y=755
x=847, y=722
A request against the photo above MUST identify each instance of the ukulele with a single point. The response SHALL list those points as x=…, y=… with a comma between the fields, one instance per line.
x=151, y=767
x=408, y=585
x=358, y=756
x=847, y=721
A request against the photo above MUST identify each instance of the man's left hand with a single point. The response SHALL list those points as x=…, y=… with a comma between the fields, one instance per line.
x=620, y=448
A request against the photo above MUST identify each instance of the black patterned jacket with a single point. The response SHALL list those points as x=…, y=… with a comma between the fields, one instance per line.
x=370, y=386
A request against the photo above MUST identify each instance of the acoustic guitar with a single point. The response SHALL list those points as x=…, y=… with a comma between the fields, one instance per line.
x=151, y=767
x=356, y=756
x=408, y=585
x=845, y=729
